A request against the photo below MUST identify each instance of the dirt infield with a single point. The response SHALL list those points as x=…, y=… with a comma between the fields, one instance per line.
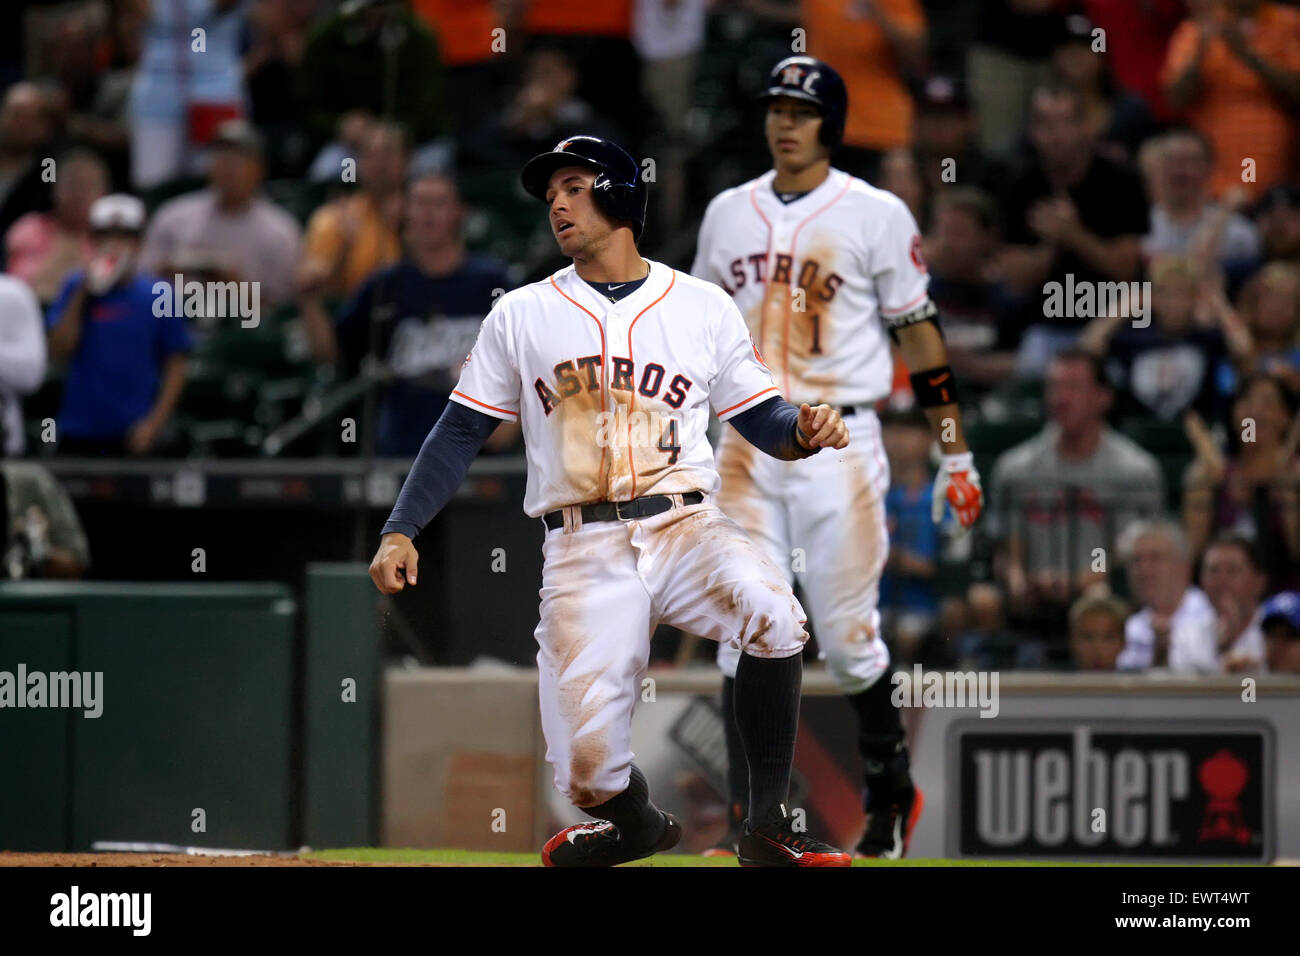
x=158, y=859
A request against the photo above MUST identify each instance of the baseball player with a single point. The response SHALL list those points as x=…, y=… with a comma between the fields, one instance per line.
x=611, y=366
x=826, y=270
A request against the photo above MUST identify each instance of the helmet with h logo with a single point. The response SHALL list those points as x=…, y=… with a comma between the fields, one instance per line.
x=618, y=187
x=809, y=79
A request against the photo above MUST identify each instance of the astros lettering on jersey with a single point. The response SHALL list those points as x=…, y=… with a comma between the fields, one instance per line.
x=819, y=281
x=614, y=397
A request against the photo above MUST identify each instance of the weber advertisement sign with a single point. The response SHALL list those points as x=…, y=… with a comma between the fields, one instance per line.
x=1070, y=788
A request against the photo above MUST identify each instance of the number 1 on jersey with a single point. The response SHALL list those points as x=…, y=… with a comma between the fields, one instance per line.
x=669, y=442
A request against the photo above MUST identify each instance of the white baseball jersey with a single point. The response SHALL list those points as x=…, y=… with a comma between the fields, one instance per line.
x=819, y=280
x=614, y=398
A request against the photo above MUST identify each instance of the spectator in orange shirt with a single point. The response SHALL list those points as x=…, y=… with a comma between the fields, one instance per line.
x=598, y=38
x=878, y=46
x=350, y=237
x=464, y=31
x=1235, y=69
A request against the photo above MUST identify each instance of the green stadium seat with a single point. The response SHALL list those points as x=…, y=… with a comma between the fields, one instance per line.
x=222, y=438
x=214, y=389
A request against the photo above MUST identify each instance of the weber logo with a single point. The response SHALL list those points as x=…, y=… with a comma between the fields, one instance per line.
x=1088, y=788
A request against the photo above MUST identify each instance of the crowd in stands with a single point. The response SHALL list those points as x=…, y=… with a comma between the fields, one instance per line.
x=1109, y=194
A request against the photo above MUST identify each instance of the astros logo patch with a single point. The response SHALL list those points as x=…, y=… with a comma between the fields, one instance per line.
x=915, y=251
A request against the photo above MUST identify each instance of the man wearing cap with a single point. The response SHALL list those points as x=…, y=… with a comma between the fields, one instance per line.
x=228, y=232
x=947, y=143
x=126, y=364
x=1280, y=622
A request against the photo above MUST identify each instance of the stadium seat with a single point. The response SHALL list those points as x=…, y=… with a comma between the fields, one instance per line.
x=215, y=389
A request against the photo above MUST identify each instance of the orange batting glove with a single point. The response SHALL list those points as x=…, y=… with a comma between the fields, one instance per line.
x=958, y=484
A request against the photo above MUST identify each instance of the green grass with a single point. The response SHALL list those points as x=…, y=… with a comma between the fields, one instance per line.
x=480, y=858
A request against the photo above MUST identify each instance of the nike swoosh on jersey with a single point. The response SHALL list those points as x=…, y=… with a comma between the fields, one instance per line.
x=619, y=286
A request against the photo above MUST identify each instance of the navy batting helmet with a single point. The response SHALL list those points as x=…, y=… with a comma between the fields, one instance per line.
x=809, y=79
x=618, y=188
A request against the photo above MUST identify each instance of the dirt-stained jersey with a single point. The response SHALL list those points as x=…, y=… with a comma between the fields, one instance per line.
x=819, y=280
x=614, y=397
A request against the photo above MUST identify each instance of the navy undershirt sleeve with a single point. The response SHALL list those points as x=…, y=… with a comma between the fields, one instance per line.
x=440, y=467
x=770, y=427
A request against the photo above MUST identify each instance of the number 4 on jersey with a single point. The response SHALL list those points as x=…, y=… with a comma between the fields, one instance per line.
x=669, y=442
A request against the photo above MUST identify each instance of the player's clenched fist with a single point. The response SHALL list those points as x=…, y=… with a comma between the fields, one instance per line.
x=958, y=484
x=395, y=563
x=821, y=427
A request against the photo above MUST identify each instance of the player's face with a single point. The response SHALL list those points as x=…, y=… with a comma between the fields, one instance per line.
x=792, y=128
x=577, y=223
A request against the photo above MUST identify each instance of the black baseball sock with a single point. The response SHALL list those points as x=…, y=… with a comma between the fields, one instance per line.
x=737, y=765
x=767, y=715
x=638, y=820
x=881, y=741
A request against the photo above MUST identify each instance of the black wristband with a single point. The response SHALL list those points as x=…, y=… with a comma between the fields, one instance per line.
x=934, y=387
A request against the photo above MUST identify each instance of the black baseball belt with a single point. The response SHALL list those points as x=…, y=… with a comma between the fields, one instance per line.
x=644, y=507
